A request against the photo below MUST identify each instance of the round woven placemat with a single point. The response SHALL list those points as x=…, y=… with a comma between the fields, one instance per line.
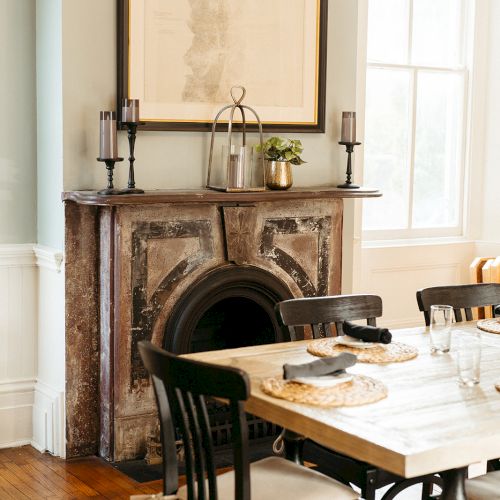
x=360, y=390
x=382, y=353
x=491, y=325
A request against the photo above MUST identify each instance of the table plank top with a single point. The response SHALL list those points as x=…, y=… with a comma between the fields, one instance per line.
x=428, y=423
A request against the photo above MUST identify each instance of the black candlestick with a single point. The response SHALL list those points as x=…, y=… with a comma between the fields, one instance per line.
x=132, y=130
x=349, y=147
x=110, y=165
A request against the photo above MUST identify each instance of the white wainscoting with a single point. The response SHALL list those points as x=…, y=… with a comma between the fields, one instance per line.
x=49, y=402
x=397, y=272
x=18, y=318
x=32, y=348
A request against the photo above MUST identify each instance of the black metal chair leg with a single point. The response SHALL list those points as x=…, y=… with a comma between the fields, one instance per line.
x=294, y=446
x=370, y=487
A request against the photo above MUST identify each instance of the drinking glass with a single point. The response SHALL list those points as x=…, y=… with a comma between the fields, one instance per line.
x=440, y=329
x=468, y=358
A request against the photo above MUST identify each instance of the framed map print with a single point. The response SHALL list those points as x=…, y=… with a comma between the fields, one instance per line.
x=180, y=58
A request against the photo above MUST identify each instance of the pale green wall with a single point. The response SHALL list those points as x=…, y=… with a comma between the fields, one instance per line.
x=18, y=126
x=50, y=125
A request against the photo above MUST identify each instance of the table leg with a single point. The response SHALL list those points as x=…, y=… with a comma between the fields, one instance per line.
x=294, y=446
x=454, y=484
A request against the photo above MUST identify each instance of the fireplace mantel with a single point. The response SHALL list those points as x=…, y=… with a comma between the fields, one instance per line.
x=132, y=261
x=212, y=196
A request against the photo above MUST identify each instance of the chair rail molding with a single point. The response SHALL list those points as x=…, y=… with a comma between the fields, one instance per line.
x=48, y=258
x=17, y=255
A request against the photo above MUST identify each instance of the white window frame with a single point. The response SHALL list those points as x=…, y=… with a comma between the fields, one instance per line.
x=465, y=70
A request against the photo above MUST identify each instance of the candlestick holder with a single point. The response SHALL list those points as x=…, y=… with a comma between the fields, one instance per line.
x=132, y=130
x=110, y=165
x=349, y=147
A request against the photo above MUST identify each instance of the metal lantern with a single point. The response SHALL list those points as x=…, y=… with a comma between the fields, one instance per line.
x=237, y=171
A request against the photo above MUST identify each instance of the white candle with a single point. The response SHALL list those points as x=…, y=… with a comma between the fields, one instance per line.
x=108, y=149
x=130, y=110
x=348, y=131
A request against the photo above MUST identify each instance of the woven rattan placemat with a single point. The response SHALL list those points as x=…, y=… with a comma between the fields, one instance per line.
x=361, y=390
x=491, y=325
x=382, y=353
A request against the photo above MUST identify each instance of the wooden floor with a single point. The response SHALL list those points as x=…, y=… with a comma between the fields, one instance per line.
x=26, y=473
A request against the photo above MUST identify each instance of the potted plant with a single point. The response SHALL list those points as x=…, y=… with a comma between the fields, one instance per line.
x=280, y=154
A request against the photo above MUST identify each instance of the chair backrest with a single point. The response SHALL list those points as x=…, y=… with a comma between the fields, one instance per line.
x=180, y=386
x=459, y=297
x=321, y=312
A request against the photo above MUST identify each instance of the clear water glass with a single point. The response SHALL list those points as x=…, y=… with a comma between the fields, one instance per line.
x=440, y=328
x=468, y=358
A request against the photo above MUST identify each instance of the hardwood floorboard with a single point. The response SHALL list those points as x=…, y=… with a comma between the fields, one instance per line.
x=26, y=473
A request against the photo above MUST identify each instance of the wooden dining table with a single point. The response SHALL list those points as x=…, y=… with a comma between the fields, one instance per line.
x=427, y=424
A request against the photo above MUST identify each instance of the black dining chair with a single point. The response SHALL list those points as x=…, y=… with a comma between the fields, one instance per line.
x=461, y=298
x=324, y=316
x=180, y=387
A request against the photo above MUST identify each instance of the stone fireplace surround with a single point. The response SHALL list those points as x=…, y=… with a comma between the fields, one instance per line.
x=149, y=266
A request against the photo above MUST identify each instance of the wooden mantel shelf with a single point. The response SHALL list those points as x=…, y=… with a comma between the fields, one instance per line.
x=211, y=196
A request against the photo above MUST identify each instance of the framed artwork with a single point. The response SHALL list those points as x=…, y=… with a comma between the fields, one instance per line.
x=180, y=58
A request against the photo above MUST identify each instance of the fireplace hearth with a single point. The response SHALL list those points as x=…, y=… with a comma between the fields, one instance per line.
x=190, y=271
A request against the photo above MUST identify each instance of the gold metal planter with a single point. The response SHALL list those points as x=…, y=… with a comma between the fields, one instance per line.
x=278, y=174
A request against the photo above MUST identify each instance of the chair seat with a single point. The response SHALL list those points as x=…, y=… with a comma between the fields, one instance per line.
x=486, y=487
x=275, y=478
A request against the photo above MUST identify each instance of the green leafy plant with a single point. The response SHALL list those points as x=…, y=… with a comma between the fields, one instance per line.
x=279, y=149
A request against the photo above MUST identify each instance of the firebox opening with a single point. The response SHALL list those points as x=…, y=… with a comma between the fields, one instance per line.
x=233, y=322
x=230, y=306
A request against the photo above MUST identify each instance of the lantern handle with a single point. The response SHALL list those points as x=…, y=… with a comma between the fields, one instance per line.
x=236, y=101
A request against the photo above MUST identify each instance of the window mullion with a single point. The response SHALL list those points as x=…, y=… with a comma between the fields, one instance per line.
x=411, y=149
x=410, y=32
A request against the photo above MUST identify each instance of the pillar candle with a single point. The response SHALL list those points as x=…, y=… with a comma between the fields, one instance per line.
x=108, y=149
x=130, y=110
x=348, y=132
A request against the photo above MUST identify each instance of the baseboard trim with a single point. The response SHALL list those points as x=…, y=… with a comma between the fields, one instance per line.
x=49, y=420
x=16, y=405
x=15, y=444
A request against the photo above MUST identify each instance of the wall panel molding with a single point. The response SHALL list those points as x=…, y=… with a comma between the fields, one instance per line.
x=32, y=347
x=48, y=258
x=397, y=272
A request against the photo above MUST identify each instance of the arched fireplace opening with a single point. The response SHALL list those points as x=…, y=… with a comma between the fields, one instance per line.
x=231, y=306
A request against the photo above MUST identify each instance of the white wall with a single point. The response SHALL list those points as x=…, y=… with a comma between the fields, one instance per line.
x=490, y=227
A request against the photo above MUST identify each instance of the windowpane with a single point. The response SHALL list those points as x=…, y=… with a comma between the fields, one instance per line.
x=437, y=149
x=436, y=33
x=386, y=148
x=388, y=31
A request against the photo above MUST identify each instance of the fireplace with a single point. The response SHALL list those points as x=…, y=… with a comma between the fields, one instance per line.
x=189, y=271
x=232, y=306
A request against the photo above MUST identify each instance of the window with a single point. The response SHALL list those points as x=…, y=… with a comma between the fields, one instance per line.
x=415, y=121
